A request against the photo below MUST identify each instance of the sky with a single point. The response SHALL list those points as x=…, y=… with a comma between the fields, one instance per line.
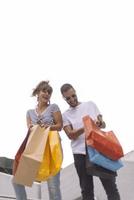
x=89, y=44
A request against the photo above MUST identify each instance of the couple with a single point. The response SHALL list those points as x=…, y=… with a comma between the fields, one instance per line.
x=47, y=114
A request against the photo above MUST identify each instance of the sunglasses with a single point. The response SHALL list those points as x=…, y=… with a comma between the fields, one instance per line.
x=72, y=96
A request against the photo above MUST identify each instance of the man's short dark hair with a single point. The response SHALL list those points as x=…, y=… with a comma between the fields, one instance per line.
x=65, y=87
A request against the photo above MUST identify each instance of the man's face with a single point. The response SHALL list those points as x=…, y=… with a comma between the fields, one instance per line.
x=71, y=97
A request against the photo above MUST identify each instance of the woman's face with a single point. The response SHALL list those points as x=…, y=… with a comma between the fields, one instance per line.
x=44, y=96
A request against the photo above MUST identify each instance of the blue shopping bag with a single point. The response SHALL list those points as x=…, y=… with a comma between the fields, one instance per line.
x=101, y=160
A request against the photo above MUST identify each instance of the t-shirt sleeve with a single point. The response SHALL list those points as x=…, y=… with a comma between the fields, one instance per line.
x=96, y=111
x=66, y=122
x=28, y=114
x=55, y=108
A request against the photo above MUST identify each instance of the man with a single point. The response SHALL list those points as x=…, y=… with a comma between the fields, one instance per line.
x=73, y=127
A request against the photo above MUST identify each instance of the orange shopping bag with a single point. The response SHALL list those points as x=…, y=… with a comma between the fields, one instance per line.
x=104, y=142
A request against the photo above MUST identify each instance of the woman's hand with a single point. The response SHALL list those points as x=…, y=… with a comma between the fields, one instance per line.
x=44, y=125
x=31, y=126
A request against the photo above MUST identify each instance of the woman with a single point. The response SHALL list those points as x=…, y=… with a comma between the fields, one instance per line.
x=45, y=114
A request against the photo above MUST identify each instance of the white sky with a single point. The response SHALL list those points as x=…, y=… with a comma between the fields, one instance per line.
x=89, y=44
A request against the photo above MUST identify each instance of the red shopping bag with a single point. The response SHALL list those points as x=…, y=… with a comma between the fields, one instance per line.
x=19, y=152
x=104, y=142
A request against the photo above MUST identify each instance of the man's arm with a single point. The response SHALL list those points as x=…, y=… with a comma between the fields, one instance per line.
x=73, y=133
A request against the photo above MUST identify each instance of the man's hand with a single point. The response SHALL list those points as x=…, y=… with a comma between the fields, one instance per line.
x=72, y=135
x=99, y=122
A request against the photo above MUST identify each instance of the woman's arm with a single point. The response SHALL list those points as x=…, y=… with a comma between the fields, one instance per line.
x=29, y=122
x=58, y=123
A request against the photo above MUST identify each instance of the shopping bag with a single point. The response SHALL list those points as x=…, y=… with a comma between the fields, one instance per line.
x=104, y=142
x=26, y=171
x=102, y=160
x=56, y=152
x=96, y=170
x=44, y=169
x=32, y=156
x=36, y=143
x=19, y=153
x=53, y=157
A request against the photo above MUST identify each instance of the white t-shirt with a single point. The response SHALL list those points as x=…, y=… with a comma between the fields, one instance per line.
x=73, y=116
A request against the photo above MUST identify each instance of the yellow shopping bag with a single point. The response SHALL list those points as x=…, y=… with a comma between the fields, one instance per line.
x=52, y=159
x=56, y=152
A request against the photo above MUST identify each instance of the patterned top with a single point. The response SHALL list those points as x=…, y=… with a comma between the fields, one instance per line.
x=45, y=117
